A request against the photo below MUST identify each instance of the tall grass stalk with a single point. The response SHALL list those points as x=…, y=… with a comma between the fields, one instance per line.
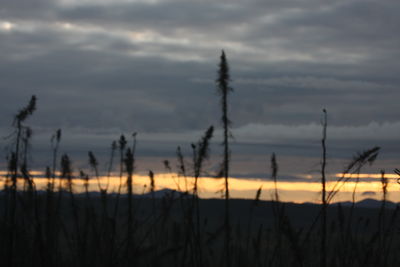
x=181, y=167
x=14, y=164
x=224, y=89
x=121, y=146
x=324, y=202
x=129, y=164
x=200, y=154
x=359, y=160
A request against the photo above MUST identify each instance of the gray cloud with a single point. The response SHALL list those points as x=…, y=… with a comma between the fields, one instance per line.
x=149, y=66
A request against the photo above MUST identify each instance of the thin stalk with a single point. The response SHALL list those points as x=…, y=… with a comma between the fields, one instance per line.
x=224, y=89
x=324, y=202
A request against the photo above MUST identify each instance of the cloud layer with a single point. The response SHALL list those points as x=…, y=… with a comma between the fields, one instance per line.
x=100, y=68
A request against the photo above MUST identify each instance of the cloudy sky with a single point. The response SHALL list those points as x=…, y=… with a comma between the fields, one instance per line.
x=101, y=68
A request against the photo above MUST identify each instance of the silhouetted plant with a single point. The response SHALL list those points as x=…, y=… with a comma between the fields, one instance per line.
x=122, y=144
x=66, y=172
x=224, y=89
x=93, y=164
x=274, y=173
x=129, y=165
x=323, y=182
x=181, y=166
x=152, y=182
x=366, y=157
x=201, y=153
x=55, y=143
x=14, y=164
x=21, y=116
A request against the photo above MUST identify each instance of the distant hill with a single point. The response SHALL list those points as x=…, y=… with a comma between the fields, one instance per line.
x=369, y=203
x=174, y=194
x=164, y=193
x=156, y=194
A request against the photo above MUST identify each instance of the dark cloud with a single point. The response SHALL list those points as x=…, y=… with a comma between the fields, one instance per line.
x=100, y=69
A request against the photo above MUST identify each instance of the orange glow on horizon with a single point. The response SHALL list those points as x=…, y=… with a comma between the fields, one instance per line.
x=301, y=191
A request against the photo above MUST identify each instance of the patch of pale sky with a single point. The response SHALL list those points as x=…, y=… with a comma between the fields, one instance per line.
x=7, y=26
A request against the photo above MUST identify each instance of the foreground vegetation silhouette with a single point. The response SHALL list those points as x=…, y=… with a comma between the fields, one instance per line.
x=58, y=227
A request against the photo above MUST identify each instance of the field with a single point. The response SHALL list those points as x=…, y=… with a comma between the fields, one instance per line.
x=60, y=229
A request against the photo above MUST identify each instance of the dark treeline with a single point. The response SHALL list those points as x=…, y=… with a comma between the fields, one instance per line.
x=58, y=227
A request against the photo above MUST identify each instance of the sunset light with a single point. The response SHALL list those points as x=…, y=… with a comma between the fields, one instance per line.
x=246, y=188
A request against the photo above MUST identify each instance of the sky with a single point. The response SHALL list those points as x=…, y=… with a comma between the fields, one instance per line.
x=102, y=68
